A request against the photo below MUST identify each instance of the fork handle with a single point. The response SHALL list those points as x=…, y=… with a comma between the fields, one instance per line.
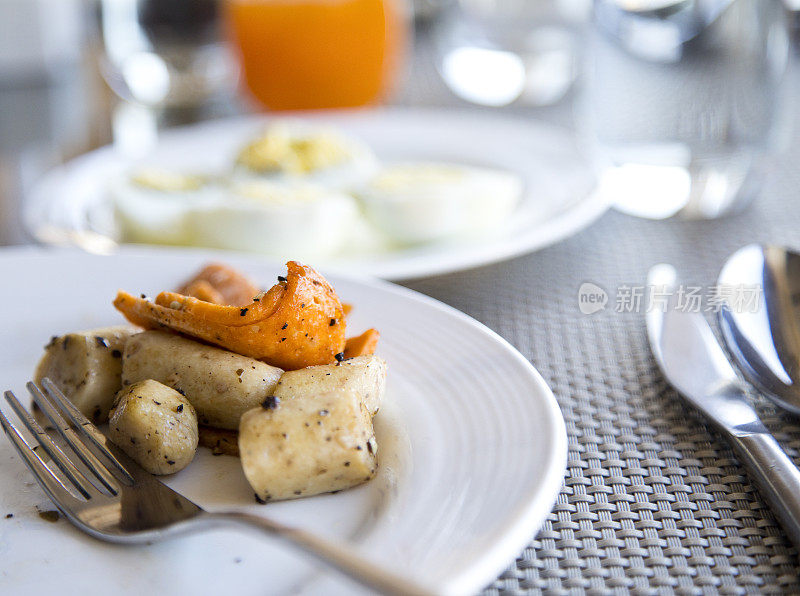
x=776, y=476
x=339, y=557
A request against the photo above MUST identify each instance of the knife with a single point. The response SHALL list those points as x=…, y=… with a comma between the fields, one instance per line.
x=694, y=363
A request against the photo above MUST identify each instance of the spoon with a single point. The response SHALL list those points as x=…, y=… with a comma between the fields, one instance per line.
x=759, y=288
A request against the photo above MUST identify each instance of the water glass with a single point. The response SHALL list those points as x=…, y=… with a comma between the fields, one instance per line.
x=681, y=102
x=166, y=52
x=510, y=52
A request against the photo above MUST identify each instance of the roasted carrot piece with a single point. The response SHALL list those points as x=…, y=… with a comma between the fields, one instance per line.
x=299, y=322
x=362, y=344
x=220, y=284
x=203, y=290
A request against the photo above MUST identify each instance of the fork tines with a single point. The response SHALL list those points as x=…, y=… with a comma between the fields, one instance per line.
x=83, y=438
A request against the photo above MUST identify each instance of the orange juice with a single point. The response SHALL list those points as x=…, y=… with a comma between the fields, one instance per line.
x=304, y=54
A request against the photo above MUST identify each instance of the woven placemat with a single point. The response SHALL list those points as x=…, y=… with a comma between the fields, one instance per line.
x=654, y=501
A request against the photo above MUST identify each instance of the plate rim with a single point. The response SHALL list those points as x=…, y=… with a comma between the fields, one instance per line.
x=526, y=520
x=580, y=215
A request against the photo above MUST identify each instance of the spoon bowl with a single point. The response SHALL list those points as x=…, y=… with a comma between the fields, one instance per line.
x=759, y=291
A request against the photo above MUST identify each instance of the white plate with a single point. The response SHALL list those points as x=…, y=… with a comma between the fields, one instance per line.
x=472, y=448
x=69, y=205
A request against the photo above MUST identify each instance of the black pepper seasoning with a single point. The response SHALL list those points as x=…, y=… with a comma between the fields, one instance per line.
x=332, y=323
x=285, y=325
x=243, y=311
x=271, y=403
x=179, y=408
x=339, y=357
x=281, y=278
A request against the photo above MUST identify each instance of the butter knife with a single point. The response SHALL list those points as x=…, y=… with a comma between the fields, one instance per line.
x=694, y=363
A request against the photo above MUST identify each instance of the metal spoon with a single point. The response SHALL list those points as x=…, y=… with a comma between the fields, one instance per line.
x=760, y=319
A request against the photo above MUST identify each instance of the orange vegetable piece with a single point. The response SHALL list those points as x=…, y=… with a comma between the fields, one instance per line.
x=203, y=290
x=362, y=344
x=220, y=284
x=299, y=322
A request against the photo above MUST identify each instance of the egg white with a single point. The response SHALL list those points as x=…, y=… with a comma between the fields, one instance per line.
x=157, y=215
x=429, y=201
x=285, y=220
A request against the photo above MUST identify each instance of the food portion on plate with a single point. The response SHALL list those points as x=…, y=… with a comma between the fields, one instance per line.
x=315, y=193
x=298, y=322
x=266, y=375
x=424, y=202
x=297, y=152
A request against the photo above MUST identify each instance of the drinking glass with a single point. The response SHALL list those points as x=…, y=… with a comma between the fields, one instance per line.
x=504, y=52
x=681, y=102
x=168, y=62
x=166, y=52
x=319, y=53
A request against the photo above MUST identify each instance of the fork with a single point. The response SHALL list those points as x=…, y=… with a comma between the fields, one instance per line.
x=127, y=505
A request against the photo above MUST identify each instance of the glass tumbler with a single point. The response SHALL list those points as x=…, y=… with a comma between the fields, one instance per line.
x=681, y=102
x=165, y=52
x=510, y=52
x=314, y=54
x=169, y=64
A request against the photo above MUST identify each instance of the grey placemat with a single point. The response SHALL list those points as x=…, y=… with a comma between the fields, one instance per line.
x=653, y=500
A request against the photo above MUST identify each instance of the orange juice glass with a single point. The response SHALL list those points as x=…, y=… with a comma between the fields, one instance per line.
x=308, y=54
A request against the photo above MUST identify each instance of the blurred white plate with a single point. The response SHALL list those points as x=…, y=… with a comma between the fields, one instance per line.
x=472, y=447
x=70, y=205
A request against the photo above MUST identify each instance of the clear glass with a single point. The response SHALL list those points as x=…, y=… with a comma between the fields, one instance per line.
x=169, y=53
x=681, y=102
x=504, y=52
x=168, y=62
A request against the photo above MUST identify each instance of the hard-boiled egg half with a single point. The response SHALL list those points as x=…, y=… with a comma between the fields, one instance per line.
x=299, y=191
x=293, y=152
x=271, y=217
x=422, y=202
x=276, y=218
x=151, y=204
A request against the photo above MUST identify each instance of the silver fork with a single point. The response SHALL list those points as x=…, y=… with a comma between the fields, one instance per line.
x=126, y=504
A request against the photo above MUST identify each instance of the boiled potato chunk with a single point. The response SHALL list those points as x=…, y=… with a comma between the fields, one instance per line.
x=220, y=385
x=155, y=425
x=364, y=375
x=87, y=367
x=300, y=447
